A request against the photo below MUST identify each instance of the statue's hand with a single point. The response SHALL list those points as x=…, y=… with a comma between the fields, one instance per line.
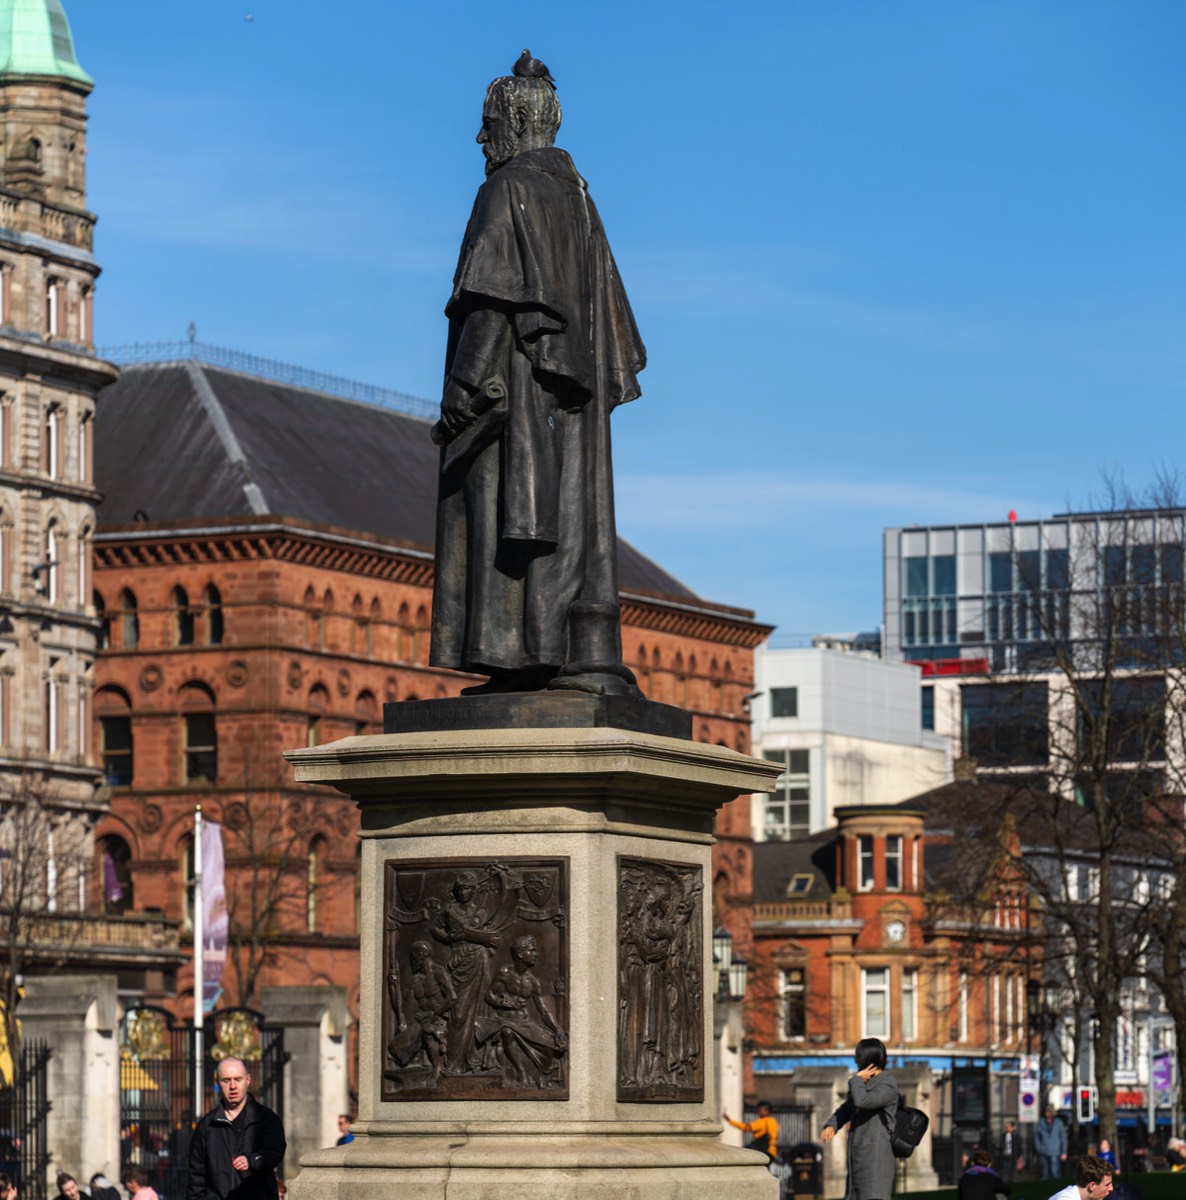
x=457, y=409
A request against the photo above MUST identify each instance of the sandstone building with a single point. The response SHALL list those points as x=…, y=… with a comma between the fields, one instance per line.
x=49, y=376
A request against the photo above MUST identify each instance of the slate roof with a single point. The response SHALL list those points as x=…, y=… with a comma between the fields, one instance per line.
x=184, y=442
x=776, y=862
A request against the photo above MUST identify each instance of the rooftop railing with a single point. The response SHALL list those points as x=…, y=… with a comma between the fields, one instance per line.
x=267, y=368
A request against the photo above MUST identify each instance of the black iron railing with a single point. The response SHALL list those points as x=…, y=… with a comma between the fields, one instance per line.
x=267, y=368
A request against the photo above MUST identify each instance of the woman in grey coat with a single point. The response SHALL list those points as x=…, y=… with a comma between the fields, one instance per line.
x=870, y=1109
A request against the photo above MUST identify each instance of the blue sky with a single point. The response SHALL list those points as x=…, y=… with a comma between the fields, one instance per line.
x=895, y=261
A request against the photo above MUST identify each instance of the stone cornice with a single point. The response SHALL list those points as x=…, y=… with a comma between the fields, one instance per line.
x=134, y=545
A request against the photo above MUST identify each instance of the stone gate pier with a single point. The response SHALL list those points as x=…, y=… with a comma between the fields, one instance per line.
x=536, y=1013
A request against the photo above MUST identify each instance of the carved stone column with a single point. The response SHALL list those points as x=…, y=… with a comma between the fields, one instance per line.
x=536, y=1012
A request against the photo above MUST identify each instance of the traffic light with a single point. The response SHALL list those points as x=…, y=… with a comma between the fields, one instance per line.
x=1086, y=1107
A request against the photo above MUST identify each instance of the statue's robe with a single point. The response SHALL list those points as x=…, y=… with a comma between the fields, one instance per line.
x=540, y=327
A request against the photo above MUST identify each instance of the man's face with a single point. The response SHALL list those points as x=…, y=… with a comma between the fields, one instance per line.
x=70, y=1190
x=497, y=137
x=1097, y=1191
x=343, y=1124
x=232, y=1082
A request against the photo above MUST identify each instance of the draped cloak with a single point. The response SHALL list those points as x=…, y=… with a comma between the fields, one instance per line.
x=541, y=330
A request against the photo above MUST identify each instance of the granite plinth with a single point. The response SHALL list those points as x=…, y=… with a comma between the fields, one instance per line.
x=601, y=800
x=537, y=710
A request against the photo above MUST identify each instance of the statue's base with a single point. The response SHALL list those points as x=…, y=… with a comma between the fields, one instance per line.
x=481, y=1162
x=605, y=833
x=538, y=710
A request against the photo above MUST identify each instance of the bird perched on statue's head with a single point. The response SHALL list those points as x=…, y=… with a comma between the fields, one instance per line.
x=527, y=67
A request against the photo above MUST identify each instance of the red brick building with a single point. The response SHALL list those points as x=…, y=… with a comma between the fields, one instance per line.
x=263, y=569
x=855, y=936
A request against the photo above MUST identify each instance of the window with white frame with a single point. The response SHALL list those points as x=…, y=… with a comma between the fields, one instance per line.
x=865, y=861
x=85, y=318
x=49, y=565
x=53, y=306
x=84, y=449
x=963, y=1006
x=893, y=862
x=50, y=714
x=786, y=814
x=875, y=1001
x=910, y=1004
x=792, y=987
x=53, y=441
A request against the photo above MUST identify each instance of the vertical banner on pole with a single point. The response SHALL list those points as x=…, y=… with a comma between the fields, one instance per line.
x=214, y=915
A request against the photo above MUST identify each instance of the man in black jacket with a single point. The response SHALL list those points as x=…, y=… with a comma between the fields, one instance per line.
x=237, y=1145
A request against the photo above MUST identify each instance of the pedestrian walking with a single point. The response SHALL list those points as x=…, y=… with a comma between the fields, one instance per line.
x=1007, y=1162
x=237, y=1145
x=869, y=1112
x=1050, y=1144
x=764, y=1128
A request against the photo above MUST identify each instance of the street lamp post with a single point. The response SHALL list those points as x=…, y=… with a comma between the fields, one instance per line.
x=728, y=991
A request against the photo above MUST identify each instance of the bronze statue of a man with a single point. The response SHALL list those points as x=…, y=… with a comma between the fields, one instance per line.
x=542, y=347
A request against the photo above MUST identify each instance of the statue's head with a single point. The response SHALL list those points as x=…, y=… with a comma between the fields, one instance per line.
x=520, y=113
x=525, y=949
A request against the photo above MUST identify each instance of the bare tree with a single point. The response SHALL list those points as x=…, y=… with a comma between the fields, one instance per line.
x=1078, y=737
x=44, y=855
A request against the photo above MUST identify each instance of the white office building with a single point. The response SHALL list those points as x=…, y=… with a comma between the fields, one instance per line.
x=847, y=728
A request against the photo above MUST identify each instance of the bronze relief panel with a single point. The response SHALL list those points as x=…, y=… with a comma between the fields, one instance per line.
x=660, y=981
x=475, y=972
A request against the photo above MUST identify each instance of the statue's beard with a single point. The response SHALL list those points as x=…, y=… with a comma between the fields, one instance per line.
x=499, y=152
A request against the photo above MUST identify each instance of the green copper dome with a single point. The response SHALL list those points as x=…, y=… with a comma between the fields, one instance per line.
x=35, y=40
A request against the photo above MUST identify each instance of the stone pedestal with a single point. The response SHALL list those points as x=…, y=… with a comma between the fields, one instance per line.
x=315, y=1021
x=78, y=1015
x=589, y=848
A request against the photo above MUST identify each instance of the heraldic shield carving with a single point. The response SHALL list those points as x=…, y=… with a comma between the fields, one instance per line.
x=475, y=971
x=660, y=991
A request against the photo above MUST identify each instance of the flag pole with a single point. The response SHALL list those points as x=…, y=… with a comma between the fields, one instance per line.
x=199, y=964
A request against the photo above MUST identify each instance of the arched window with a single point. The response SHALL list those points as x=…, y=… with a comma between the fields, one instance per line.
x=6, y=544
x=404, y=634
x=47, y=569
x=52, y=442
x=196, y=702
x=375, y=615
x=187, y=882
x=366, y=711
x=313, y=885
x=84, y=564
x=327, y=608
x=53, y=306
x=129, y=620
x=115, y=875
x=318, y=705
x=357, y=623
x=212, y=602
x=311, y=619
x=104, y=621
x=114, y=710
x=183, y=617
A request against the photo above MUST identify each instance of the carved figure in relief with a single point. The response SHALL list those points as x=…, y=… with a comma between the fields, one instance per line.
x=474, y=964
x=528, y=1035
x=421, y=1030
x=464, y=925
x=659, y=961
